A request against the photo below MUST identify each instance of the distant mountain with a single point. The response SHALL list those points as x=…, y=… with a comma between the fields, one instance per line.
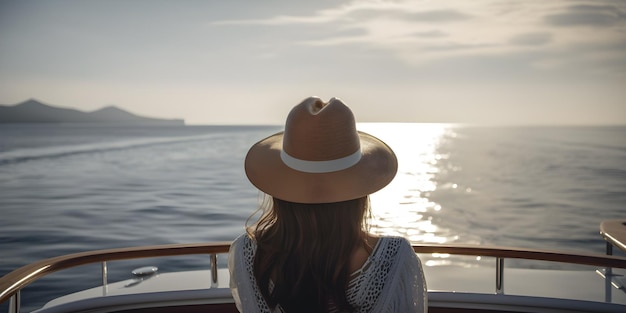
x=33, y=111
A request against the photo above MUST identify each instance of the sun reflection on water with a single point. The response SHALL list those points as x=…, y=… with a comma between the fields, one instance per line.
x=403, y=207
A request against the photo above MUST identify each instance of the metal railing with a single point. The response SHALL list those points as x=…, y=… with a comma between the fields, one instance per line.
x=13, y=282
x=501, y=253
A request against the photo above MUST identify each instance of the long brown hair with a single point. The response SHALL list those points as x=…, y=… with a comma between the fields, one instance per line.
x=305, y=250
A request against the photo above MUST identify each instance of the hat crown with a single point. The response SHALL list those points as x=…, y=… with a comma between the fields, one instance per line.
x=319, y=131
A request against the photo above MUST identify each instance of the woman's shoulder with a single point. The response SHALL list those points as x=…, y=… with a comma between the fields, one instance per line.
x=243, y=243
x=390, y=258
x=392, y=254
x=241, y=238
x=389, y=247
x=393, y=241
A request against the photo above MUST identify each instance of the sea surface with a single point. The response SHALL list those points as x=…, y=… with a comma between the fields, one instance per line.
x=68, y=188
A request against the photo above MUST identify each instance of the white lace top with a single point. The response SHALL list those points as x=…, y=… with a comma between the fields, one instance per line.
x=391, y=280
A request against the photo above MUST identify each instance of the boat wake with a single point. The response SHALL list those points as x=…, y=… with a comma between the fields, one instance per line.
x=53, y=152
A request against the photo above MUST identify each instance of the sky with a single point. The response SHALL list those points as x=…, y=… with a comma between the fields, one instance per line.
x=503, y=62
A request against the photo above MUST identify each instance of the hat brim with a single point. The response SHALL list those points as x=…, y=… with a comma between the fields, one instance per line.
x=266, y=171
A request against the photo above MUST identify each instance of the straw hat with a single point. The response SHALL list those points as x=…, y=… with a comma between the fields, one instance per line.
x=320, y=157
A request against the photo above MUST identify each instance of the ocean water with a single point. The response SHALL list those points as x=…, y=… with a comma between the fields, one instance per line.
x=71, y=188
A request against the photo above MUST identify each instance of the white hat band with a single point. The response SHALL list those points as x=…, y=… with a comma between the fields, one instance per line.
x=320, y=166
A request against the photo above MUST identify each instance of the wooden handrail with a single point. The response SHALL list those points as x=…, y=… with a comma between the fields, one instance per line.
x=528, y=254
x=22, y=277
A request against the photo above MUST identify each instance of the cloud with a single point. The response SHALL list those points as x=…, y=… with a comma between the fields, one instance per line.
x=430, y=34
x=588, y=15
x=404, y=13
x=278, y=20
x=359, y=11
x=531, y=39
x=447, y=15
x=418, y=32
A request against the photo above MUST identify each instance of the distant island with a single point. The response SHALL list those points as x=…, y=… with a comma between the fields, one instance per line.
x=33, y=111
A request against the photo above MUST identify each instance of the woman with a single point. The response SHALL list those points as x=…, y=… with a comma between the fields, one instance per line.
x=310, y=250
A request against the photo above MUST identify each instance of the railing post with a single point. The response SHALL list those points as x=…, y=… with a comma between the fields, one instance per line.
x=499, y=275
x=14, y=304
x=608, y=275
x=105, y=285
x=213, y=257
